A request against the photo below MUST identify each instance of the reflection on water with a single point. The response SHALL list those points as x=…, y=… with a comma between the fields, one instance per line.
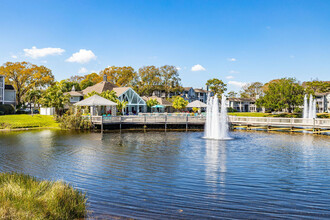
x=181, y=175
x=215, y=163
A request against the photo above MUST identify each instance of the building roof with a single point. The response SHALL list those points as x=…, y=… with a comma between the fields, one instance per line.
x=161, y=101
x=100, y=87
x=196, y=104
x=120, y=90
x=187, y=88
x=242, y=99
x=95, y=100
x=74, y=93
x=200, y=90
x=322, y=94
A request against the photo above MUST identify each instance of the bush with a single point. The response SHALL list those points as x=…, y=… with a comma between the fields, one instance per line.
x=297, y=110
x=20, y=112
x=7, y=109
x=324, y=115
x=230, y=109
x=25, y=197
x=74, y=121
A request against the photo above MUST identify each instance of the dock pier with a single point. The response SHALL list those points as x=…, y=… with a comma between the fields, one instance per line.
x=315, y=126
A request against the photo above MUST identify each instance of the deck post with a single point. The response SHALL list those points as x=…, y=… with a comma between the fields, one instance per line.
x=120, y=123
x=313, y=125
x=102, y=124
x=165, y=122
x=187, y=122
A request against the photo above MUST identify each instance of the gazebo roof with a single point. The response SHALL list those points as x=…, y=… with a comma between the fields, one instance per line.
x=95, y=100
x=196, y=104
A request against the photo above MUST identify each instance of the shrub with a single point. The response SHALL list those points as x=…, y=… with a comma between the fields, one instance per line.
x=20, y=112
x=324, y=115
x=230, y=109
x=25, y=197
x=7, y=109
x=74, y=121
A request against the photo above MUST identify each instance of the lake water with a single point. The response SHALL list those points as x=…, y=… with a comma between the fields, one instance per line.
x=157, y=175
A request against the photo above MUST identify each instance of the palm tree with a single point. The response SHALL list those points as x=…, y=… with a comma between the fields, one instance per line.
x=33, y=96
x=121, y=105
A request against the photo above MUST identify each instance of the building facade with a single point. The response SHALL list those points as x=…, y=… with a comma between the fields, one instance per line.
x=7, y=93
x=322, y=102
x=243, y=104
x=135, y=103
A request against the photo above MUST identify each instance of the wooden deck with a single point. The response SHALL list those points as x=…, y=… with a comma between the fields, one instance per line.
x=236, y=122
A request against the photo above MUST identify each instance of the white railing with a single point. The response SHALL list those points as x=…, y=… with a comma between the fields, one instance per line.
x=182, y=119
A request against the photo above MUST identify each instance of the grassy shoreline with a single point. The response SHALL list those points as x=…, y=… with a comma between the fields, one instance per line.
x=27, y=122
x=25, y=197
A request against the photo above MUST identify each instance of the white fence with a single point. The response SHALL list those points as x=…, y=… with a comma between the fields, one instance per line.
x=188, y=119
x=47, y=111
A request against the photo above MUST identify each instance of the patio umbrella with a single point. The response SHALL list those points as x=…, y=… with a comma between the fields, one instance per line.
x=196, y=104
x=158, y=106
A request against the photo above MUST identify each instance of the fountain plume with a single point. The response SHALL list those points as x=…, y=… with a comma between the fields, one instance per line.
x=309, y=107
x=216, y=126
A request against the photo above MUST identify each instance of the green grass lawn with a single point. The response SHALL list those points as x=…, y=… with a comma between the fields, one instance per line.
x=27, y=121
x=25, y=197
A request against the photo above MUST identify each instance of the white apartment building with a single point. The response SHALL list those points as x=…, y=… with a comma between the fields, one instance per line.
x=7, y=92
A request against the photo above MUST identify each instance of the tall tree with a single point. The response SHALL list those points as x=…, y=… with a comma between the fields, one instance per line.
x=285, y=93
x=170, y=79
x=76, y=78
x=317, y=86
x=217, y=86
x=251, y=90
x=121, y=76
x=54, y=97
x=90, y=80
x=68, y=85
x=150, y=80
x=32, y=97
x=232, y=94
x=25, y=76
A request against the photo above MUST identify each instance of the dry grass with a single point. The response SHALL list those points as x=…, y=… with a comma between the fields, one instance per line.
x=25, y=197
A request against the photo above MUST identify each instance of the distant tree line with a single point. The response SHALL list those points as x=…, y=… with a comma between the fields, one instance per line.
x=36, y=84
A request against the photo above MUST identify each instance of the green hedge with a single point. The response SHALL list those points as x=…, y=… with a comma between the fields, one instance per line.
x=7, y=109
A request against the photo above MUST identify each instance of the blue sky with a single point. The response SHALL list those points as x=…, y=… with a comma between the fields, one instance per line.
x=236, y=41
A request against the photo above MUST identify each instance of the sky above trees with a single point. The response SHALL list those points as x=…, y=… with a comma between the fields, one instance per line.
x=236, y=41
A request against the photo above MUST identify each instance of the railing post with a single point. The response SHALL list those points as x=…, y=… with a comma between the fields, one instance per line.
x=165, y=122
x=120, y=122
x=187, y=122
x=102, y=124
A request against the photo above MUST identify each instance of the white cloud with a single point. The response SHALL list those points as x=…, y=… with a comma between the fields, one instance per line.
x=233, y=71
x=36, y=53
x=236, y=83
x=197, y=67
x=178, y=68
x=82, y=70
x=229, y=77
x=14, y=56
x=232, y=59
x=83, y=56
